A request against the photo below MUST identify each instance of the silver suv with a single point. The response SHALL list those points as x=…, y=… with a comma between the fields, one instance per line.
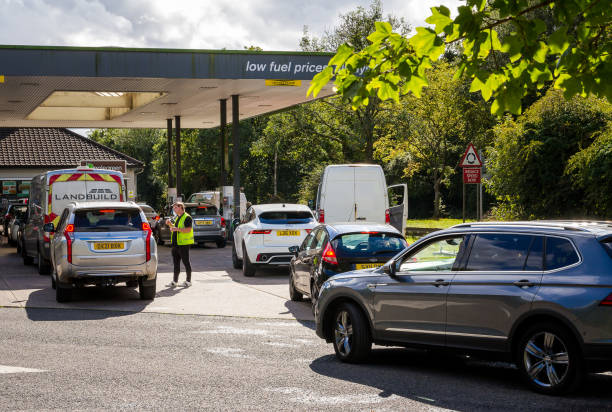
x=538, y=293
x=102, y=244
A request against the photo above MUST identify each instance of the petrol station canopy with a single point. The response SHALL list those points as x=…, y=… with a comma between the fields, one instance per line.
x=109, y=87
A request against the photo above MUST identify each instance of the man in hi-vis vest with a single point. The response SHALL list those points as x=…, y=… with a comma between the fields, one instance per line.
x=182, y=239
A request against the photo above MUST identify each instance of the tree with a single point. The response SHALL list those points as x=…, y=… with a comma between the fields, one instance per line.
x=538, y=161
x=430, y=134
x=359, y=128
x=576, y=56
x=139, y=144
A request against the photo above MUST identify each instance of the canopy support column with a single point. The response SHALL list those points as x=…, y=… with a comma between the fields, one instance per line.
x=179, y=186
x=236, y=152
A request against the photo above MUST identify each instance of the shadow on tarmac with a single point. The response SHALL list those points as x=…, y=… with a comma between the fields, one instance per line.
x=455, y=382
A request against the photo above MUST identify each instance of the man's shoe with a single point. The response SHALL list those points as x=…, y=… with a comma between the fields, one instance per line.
x=172, y=284
x=186, y=284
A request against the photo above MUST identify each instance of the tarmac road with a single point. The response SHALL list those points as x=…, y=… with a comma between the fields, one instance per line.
x=226, y=343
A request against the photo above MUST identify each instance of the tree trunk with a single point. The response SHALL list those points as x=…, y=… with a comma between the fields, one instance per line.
x=436, y=213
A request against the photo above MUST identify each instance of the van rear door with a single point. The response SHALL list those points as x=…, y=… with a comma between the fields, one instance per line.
x=370, y=194
x=338, y=196
x=398, y=206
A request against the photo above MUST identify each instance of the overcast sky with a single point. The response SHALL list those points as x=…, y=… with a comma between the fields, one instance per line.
x=188, y=24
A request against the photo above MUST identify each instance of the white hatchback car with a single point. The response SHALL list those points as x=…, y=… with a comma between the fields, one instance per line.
x=266, y=233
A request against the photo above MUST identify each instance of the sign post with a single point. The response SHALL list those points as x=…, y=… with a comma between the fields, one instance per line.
x=472, y=165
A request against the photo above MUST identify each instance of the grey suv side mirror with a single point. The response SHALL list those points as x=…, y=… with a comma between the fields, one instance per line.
x=389, y=268
x=48, y=227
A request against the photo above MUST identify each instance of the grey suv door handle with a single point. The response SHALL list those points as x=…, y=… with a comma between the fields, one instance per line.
x=373, y=285
x=440, y=282
x=523, y=283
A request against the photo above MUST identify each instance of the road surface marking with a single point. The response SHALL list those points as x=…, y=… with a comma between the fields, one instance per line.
x=305, y=396
x=229, y=352
x=17, y=369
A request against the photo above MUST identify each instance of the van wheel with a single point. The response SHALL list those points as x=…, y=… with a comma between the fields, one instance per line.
x=27, y=260
x=248, y=269
x=62, y=293
x=43, y=267
x=352, y=342
x=237, y=263
x=549, y=359
x=147, y=292
x=294, y=295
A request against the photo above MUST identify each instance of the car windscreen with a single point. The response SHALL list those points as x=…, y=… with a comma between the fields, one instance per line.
x=285, y=217
x=107, y=220
x=368, y=244
x=198, y=211
x=146, y=208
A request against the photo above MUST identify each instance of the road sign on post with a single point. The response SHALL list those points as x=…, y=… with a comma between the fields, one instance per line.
x=471, y=164
x=471, y=175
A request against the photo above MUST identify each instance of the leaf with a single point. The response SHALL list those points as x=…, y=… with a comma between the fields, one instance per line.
x=426, y=43
x=512, y=45
x=343, y=53
x=507, y=100
x=570, y=85
x=540, y=53
x=320, y=80
x=440, y=18
x=558, y=41
x=415, y=85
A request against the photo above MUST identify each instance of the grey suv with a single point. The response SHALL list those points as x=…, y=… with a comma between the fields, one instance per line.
x=102, y=243
x=538, y=293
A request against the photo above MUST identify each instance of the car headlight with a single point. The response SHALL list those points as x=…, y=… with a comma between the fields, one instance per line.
x=325, y=285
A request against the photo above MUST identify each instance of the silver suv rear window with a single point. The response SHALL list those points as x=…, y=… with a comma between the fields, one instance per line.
x=107, y=220
x=197, y=211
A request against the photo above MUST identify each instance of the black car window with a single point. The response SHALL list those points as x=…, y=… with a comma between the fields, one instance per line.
x=559, y=253
x=368, y=244
x=201, y=211
x=499, y=251
x=436, y=255
x=320, y=239
x=306, y=243
x=286, y=217
x=535, y=259
x=107, y=220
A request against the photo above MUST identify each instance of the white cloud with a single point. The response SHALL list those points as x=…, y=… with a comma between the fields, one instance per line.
x=201, y=24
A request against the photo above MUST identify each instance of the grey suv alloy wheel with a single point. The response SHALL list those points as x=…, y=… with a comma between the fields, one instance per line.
x=549, y=359
x=352, y=341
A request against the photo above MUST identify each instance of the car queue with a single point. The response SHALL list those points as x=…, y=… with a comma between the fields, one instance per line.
x=538, y=294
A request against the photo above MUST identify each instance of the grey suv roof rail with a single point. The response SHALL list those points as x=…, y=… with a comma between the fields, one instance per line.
x=533, y=224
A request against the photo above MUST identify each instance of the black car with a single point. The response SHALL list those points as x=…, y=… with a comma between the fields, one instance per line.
x=8, y=214
x=335, y=248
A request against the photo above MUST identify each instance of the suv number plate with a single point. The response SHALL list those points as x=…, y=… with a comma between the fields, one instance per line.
x=204, y=222
x=108, y=245
x=287, y=233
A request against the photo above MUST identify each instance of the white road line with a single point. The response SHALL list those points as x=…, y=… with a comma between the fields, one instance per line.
x=281, y=345
x=305, y=396
x=229, y=330
x=229, y=352
x=17, y=369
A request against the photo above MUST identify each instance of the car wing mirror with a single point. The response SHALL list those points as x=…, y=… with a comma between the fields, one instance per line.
x=390, y=268
x=48, y=227
x=294, y=250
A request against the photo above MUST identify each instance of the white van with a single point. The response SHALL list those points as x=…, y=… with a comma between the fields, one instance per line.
x=212, y=197
x=359, y=193
x=51, y=192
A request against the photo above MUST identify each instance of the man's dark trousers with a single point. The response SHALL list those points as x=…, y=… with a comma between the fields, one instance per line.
x=181, y=252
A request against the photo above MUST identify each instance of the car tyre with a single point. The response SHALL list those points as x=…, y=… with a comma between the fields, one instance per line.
x=549, y=359
x=63, y=293
x=248, y=269
x=221, y=244
x=147, y=292
x=43, y=267
x=237, y=263
x=53, y=277
x=351, y=334
x=313, y=295
x=294, y=295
